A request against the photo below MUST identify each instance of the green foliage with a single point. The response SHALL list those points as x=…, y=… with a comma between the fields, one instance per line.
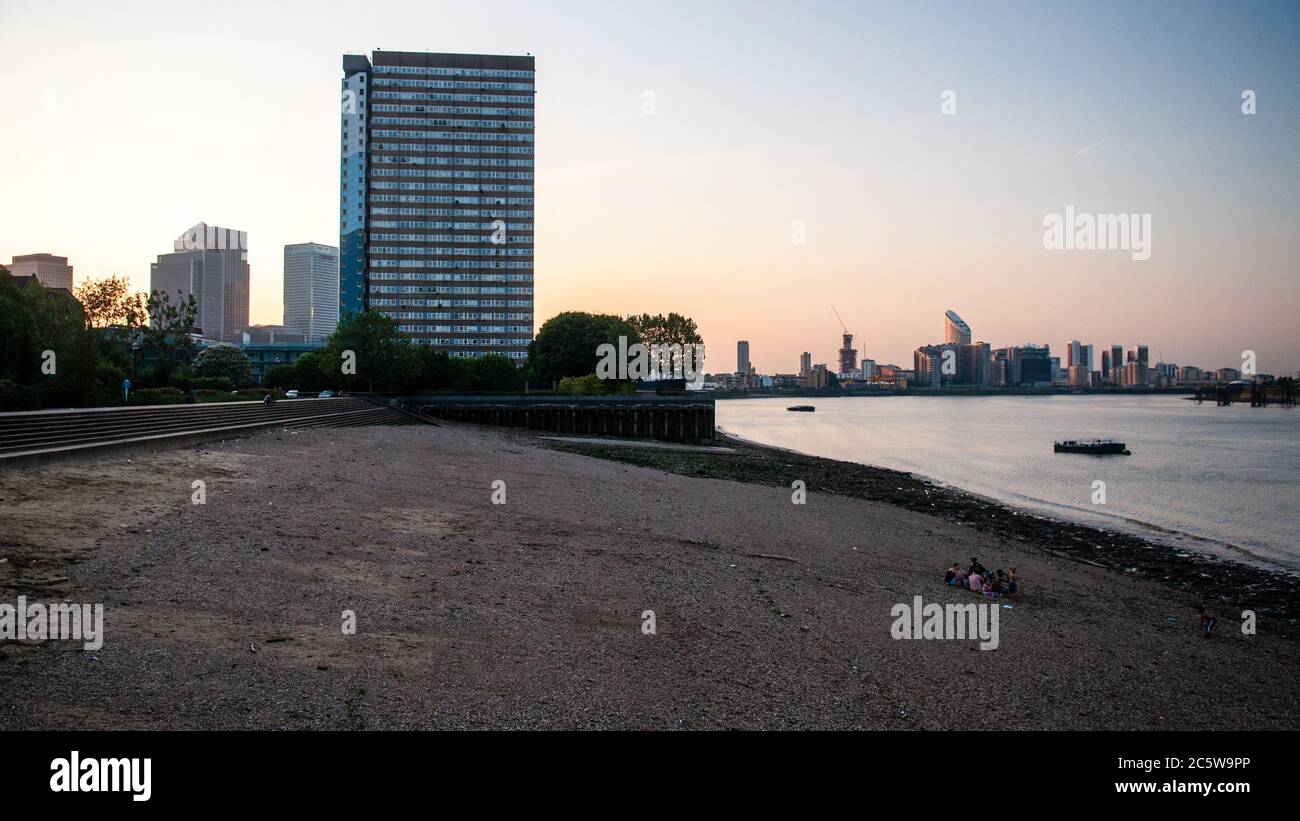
x=15, y=397
x=224, y=361
x=592, y=385
x=108, y=302
x=666, y=330
x=280, y=376
x=47, y=350
x=208, y=383
x=490, y=374
x=566, y=344
x=385, y=359
x=157, y=396
x=310, y=372
x=166, y=337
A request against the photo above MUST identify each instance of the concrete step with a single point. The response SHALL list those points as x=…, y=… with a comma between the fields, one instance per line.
x=34, y=435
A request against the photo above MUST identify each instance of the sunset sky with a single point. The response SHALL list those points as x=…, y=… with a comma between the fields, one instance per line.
x=126, y=123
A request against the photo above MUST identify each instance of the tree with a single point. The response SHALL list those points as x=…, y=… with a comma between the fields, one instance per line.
x=592, y=385
x=673, y=329
x=224, y=360
x=167, y=334
x=566, y=344
x=109, y=302
x=494, y=373
x=384, y=357
x=19, y=365
x=49, y=357
x=439, y=371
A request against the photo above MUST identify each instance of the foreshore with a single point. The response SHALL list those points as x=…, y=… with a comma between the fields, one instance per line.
x=1210, y=579
x=532, y=613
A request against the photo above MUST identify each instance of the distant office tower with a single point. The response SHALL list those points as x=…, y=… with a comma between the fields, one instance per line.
x=955, y=331
x=1076, y=353
x=805, y=363
x=1134, y=374
x=1105, y=365
x=928, y=365
x=1138, y=353
x=818, y=377
x=742, y=358
x=436, y=206
x=981, y=373
x=49, y=270
x=311, y=290
x=212, y=264
x=999, y=374
x=1227, y=375
x=848, y=355
x=1030, y=365
x=1190, y=373
x=1116, y=363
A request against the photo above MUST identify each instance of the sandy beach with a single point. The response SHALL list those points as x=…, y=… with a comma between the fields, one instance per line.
x=529, y=614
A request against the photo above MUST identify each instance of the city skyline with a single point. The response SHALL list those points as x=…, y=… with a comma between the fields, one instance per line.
x=870, y=193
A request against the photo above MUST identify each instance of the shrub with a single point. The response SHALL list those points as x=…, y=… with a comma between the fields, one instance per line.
x=15, y=397
x=157, y=396
x=208, y=383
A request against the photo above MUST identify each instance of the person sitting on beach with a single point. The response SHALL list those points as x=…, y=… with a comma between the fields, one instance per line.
x=998, y=583
x=976, y=567
x=1013, y=582
x=1208, y=619
x=975, y=582
x=953, y=576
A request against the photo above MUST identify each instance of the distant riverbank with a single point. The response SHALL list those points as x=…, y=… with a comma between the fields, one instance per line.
x=954, y=391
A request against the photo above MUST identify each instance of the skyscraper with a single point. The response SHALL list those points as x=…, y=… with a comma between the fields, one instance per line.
x=805, y=363
x=212, y=264
x=848, y=354
x=49, y=270
x=436, y=205
x=311, y=289
x=955, y=331
x=742, y=358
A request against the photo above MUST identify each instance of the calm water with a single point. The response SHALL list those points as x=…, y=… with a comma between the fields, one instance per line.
x=1219, y=480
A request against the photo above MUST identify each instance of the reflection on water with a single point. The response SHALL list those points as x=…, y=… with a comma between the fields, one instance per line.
x=1222, y=480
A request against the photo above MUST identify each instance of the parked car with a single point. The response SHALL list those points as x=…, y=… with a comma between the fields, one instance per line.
x=327, y=394
x=290, y=394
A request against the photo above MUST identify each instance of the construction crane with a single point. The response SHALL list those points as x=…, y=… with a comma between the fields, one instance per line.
x=841, y=319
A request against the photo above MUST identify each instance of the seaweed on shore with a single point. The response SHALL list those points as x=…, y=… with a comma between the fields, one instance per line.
x=1209, y=578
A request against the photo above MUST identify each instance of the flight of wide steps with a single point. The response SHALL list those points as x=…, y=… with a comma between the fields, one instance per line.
x=28, y=434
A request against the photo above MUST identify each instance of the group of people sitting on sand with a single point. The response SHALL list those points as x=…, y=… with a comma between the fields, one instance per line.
x=977, y=579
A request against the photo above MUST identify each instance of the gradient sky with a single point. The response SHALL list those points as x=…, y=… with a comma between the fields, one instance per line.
x=125, y=123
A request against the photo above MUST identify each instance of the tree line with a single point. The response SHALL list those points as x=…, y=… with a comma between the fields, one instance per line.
x=63, y=352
